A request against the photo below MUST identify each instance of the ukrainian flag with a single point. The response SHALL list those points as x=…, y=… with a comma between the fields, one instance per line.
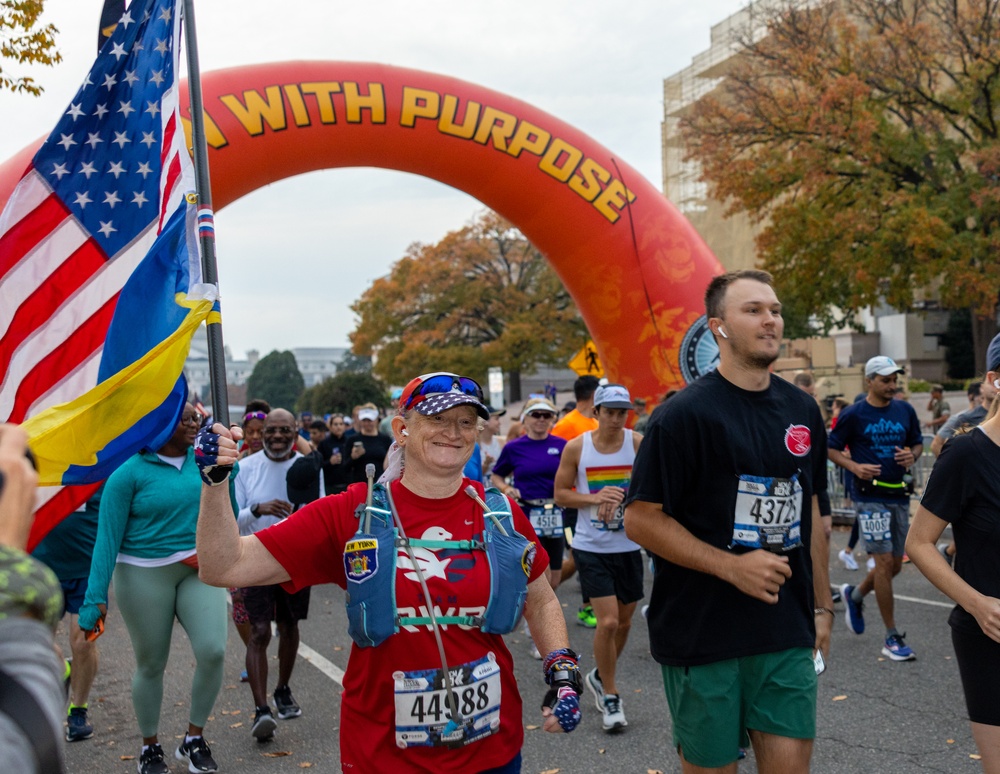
x=141, y=389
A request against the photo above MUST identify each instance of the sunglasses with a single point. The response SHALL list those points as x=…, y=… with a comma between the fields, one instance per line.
x=541, y=415
x=422, y=387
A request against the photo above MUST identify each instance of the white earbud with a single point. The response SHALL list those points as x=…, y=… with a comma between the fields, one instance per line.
x=404, y=431
x=722, y=333
x=996, y=383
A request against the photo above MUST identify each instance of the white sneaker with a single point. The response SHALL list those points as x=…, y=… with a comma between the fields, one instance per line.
x=613, y=716
x=596, y=687
x=870, y=564
x=645, y=611
x=848, y=560
x=534, y=652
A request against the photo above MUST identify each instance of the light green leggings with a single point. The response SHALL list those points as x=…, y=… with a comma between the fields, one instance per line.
x=148, y=598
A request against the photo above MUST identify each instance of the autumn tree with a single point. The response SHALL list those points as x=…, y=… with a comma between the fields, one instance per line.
x=25, y=41
x=276, y=378
x=341, y=393
x=483, y=296
x=862, y=137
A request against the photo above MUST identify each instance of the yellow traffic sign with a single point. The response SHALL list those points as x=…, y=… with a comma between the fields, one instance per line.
x=586, y=361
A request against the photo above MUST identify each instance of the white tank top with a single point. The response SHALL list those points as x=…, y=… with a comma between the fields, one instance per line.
x=595, y=472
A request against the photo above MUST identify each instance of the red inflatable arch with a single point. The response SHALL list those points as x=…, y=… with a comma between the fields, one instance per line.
x=634, y=265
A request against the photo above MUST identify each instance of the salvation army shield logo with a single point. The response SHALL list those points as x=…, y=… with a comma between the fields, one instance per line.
x=798, y=440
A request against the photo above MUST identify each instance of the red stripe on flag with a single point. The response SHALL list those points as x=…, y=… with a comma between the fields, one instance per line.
x=25, y=235
x=58, y=508
x=53, y=368
x=173, y=175
x=82, y=264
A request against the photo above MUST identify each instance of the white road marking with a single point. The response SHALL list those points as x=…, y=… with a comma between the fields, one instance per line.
x=933, y=602
x=325, y=666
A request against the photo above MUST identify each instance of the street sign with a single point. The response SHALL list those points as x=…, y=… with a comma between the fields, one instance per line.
x=586, y=361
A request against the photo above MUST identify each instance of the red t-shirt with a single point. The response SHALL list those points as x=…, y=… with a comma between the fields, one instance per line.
x=310, y=546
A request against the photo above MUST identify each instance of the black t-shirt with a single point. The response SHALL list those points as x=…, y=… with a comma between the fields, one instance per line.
x=336, y=478
x=964, y=489
x=376, y=447
x=695, y=450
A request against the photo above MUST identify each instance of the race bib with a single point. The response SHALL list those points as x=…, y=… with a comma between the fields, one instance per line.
x=615, y=523
x=875, y=526
x=546, y=519
x=768, y=513
x=423, y=717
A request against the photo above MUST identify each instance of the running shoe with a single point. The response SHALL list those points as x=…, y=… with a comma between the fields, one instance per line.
x=848, y=560
x=645, y=611
x=870, y=564
x=77, y=727
x=896, y=649
x=535, y=654
x=585, y=617
x=244, y=677
x=943, y=550
x=596, y=687
x=853, y=611
x=285, y=704
x=835, y=593
x=151, y=761
x=613, y=716
x=263, y=724
x=197, y=754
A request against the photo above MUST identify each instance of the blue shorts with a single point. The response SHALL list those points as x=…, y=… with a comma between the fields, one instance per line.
x=74, y=591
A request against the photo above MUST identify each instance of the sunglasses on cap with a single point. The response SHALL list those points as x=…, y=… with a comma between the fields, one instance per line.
x=422, y=387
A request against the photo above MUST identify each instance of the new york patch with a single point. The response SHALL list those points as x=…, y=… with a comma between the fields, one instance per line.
x=798, y=440
x=361, y=559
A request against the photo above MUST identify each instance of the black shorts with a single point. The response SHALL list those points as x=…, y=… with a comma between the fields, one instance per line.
x=978, y=660
x=556, y=546
x=273, y=603
x=610, y=575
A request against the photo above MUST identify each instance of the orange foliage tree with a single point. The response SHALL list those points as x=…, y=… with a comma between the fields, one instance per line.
x=863, y=137
x=483, y=296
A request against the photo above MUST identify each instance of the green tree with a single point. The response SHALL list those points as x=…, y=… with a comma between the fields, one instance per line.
x=341, y=393
x=25, y=41
x=483, y=296
x=276, y=379
x=863, y=136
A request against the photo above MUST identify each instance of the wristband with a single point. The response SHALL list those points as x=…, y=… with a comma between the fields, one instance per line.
x=819, y=610
x=255, y=510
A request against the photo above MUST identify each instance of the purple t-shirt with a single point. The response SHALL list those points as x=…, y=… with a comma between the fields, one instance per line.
x=533, y=463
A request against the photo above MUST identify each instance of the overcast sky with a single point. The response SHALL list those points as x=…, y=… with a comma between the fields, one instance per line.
x=293, y=256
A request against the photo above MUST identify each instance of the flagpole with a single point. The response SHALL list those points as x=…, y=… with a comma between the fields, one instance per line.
x=206, y=217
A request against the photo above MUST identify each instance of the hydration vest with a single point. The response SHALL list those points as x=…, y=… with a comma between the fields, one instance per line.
x=370, y=565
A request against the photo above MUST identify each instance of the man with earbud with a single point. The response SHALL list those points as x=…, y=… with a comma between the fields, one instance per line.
x=885, y=441
x=724, y=494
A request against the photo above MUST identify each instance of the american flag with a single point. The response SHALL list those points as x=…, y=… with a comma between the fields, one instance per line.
x=83, y=216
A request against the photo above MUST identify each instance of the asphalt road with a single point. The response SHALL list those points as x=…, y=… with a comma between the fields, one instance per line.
x=874, y=715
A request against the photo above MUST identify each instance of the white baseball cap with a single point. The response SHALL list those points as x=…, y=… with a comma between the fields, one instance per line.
x=613, y=396
x=883, y=366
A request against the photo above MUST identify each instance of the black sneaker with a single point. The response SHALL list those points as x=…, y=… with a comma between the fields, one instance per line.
x=197, y=754
x=285, y=704
x=151, y=761
x=263, y=725
x=77, y=727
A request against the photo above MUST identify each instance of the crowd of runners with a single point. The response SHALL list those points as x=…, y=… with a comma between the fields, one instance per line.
x=446, y=538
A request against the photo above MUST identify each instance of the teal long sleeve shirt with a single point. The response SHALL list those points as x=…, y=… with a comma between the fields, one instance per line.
x=150, y=511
